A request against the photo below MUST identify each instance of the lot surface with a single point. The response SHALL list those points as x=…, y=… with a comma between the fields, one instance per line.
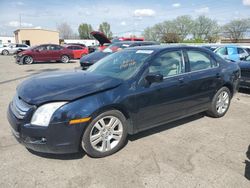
x=195, y=152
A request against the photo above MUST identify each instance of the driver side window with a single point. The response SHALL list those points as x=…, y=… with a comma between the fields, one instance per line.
x=168, y=64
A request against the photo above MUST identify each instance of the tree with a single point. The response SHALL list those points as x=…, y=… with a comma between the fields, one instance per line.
x=84, y=30
x=205, y=28
x=236, y=28
x=171, y=38
x=65, y=31
x=105, y=28
x=183, y=26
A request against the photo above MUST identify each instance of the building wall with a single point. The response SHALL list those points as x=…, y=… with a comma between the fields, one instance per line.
x=36, y=36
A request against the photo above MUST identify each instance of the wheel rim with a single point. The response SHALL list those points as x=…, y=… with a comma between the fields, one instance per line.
x=222, y=102
x=106, y=134
x=5, y=52
x=65, y=59
x=28, y=60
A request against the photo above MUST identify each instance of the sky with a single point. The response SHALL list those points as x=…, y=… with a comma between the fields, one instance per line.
x=125, y=16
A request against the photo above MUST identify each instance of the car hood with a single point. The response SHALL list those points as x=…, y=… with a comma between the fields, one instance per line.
x=93, y=57
x=63, y=86
x=100, y=37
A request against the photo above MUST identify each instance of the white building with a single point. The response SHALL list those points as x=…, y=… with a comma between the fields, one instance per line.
x=6, y=40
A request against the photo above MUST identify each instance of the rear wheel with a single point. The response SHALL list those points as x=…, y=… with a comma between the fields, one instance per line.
x=220, y=103
x=105, y=135
x=65, y=59
x=28, y=60
x=5, y=52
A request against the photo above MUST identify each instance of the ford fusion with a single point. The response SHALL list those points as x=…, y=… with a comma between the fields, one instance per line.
x=124, y=93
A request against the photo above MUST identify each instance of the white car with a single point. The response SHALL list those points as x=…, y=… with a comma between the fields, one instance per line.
x=12, y=48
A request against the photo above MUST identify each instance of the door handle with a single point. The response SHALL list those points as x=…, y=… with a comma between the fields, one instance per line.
x=181, y=81
x=218, y=75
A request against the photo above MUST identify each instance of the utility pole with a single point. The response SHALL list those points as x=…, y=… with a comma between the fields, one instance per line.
x=20, y=20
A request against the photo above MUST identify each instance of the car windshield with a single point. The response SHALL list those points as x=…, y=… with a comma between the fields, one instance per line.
x=122, y=65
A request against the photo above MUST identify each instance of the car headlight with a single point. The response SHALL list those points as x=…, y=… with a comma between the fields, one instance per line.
x=43, y=114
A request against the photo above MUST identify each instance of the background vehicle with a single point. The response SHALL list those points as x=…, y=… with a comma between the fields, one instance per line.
x=90, y=59
x=234, y=53
x=127, y=92
x=245, y=73
x=78, y=51
x=44, y=53
x=13, y=48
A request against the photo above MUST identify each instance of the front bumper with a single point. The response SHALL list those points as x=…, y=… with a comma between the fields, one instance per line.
x=57, y=138
x=245, y=82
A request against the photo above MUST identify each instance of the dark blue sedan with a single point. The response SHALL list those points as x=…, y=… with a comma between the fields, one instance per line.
x=124, y=93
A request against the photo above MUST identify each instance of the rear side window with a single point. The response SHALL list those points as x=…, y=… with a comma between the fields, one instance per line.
x=199, y=60
x=55, y=47
x=240, y=51
x=167, y=64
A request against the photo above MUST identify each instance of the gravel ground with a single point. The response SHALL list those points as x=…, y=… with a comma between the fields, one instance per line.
x=194, y=152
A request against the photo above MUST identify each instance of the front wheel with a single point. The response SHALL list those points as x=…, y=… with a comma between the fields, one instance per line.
x=220, y=103
x=105, y=135
x=65, y=59
x=5, y=52
x=28, y=60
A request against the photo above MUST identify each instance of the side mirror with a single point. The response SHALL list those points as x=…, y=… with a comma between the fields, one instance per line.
x=154, y=77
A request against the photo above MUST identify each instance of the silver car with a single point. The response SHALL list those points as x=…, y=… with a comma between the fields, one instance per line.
x=12, y=48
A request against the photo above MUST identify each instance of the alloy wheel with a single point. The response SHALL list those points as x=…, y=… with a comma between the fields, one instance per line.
x=222, y=103
x=106, y=134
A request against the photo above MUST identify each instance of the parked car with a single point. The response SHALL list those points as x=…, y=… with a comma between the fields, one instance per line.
x=234, y=53
x=245, y=73
x=127, y=92
x=45, y=53
x=78, y=51
x=12, y=48
x=90, y=59
x=211, y=47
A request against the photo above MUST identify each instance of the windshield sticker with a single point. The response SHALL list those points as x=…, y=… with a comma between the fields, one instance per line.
x=144, y=51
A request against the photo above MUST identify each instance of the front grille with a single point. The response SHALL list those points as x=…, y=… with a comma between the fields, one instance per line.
x=245, y=73
x=19, y=107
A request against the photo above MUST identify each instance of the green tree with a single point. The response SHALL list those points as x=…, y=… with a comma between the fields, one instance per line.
x=84, y=30
x=105, y=28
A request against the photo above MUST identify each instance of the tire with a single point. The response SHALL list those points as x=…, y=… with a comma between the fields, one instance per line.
x=65, y=59
x=96, y=136
x=5, y=52
x=220, y=103
x=28, y=60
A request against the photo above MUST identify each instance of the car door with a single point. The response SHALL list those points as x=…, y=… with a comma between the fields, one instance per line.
x=204, y=79
x=40, y=53
x=233, y=53
x=55, y=52
x=166, y=100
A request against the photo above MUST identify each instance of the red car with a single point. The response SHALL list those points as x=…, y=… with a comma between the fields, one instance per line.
x=78, y=51
x=44, y=53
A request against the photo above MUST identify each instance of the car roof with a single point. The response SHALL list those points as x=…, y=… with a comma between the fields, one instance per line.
x=165, y=47
x=134, y=42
